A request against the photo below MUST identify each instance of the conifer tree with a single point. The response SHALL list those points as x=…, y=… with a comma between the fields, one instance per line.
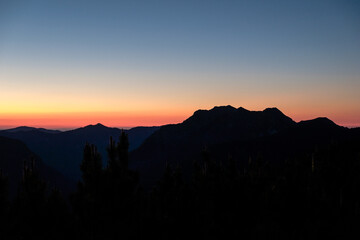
x=123, y=150
x=4, y=204
x=3, y=192
x=91, y=166
x=29, y=208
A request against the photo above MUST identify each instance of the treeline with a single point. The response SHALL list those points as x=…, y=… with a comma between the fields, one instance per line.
x=310, y=196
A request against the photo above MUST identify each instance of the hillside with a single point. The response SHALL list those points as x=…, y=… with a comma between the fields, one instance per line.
x=63, y=150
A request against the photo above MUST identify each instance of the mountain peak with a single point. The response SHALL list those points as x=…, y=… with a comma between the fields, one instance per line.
x=214, y=111
x=242, y=109
x=91, y=127
x=222, y=108
x=273, y=110
x=320, y=121
x=98, y=125
x=228, y=117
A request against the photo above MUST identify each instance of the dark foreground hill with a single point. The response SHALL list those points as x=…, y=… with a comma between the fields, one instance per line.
x=63, y=150
x=13, y=155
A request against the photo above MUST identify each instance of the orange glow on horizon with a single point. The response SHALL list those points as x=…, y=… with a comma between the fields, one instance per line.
x=68, y=120
x=75, y=120
x=128, y=99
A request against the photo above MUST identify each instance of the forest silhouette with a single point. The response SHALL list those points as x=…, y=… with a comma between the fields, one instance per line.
x=309, y=197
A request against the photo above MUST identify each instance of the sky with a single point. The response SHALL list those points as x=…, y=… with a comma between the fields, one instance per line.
x=66, y=64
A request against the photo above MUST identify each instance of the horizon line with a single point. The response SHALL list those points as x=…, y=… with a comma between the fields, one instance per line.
x=64, y=129
x=54, y=122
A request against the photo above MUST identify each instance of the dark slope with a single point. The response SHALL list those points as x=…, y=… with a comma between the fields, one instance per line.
x=181, y=144
x=63, y=151
x=13, y=153
x=299, y=141
x=137, y=136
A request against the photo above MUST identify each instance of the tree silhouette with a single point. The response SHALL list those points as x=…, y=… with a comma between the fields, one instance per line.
x=91, y=166
x=123, y=150
x=28, y=212
x=4, y=202
x=120, y=189
x=105, y=200
x=86, y=201
x=58, y=216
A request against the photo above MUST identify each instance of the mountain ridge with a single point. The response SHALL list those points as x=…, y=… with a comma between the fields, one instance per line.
x=64, y=150
x=182, y=143
x=28, y=129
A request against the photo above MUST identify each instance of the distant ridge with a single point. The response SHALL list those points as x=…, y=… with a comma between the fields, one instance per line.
x=63, y=150
x=319, y=122
x=27, y=129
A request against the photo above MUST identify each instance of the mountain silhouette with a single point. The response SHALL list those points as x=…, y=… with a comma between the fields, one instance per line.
x=223, y=132
x=63, y=150
x=181, y=144
x=226, y=132
x=13, y=154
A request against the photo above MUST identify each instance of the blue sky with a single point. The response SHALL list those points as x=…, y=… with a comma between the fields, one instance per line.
x=243, y=53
